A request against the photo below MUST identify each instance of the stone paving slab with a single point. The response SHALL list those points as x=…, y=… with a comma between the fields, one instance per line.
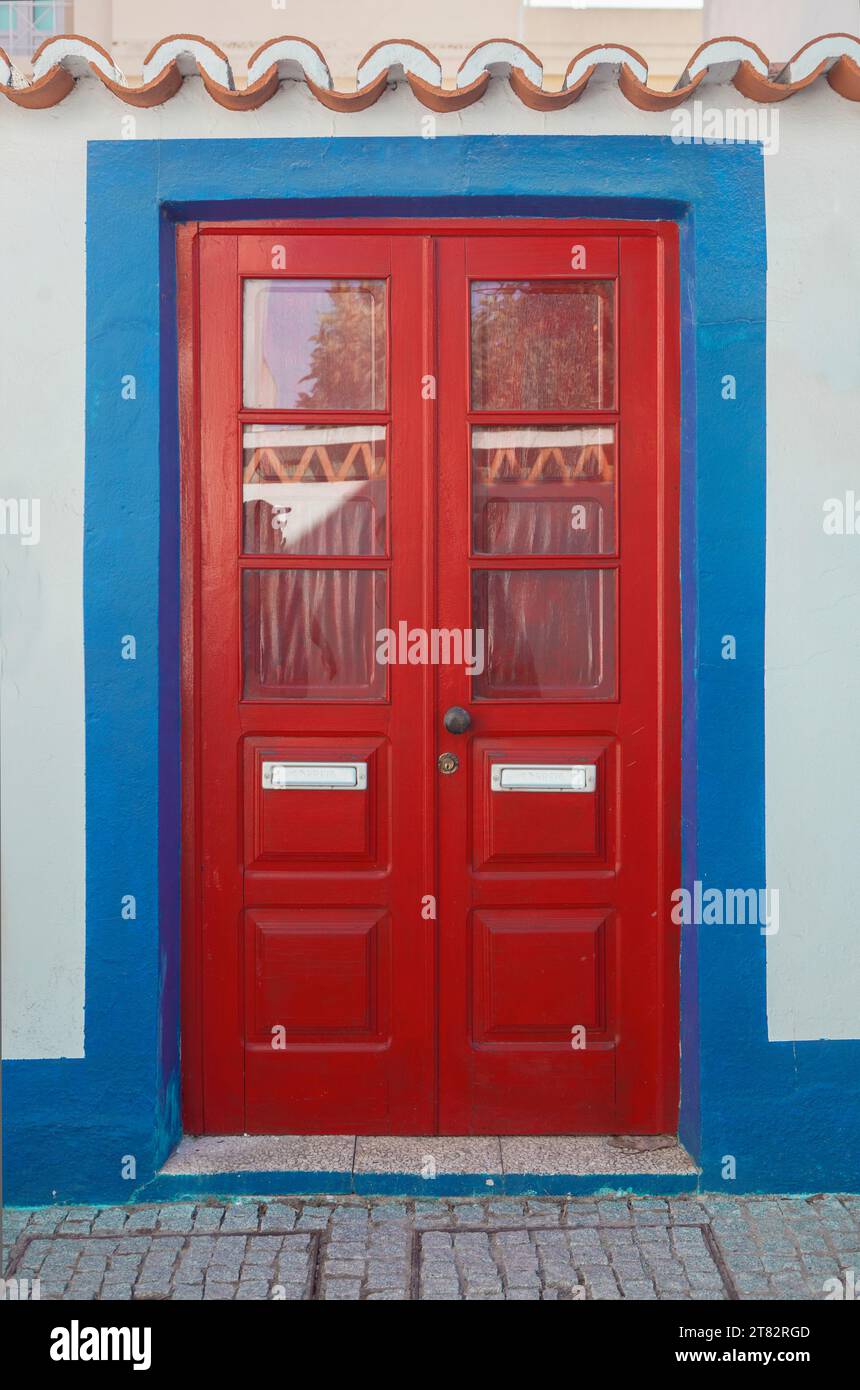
x=428, y=1157
x=687, y=1248
x=248, y=1153
x=550, y=1154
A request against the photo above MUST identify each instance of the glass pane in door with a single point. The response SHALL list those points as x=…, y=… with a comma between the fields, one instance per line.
x=548, y=634
x=314, y=490
x=314, y=344
x=543, y=491
x=542, y=345
x=310, y=634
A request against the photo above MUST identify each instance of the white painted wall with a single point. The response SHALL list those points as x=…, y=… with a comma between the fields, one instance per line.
x=813, y=580
x=41, y=618
x=813, y=601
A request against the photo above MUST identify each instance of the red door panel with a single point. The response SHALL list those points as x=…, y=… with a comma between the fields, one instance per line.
x=518, y=826
x=554, y=955
x=319, y=968
x=315, y=804
x=469, y=428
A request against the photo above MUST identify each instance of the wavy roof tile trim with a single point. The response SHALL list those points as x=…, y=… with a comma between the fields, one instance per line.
x=67, y=58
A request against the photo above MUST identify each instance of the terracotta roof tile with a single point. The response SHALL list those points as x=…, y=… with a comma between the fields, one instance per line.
x=67, y=58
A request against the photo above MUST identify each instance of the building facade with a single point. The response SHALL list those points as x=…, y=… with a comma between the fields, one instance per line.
x=323, y=375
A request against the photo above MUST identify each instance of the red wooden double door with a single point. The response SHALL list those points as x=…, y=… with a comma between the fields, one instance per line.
x=432, y=697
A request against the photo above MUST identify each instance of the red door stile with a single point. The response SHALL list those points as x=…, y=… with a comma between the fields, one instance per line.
x=649, y=724
x=220, y=683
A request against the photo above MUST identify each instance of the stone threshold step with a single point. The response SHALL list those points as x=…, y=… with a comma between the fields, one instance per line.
x=426, y=1165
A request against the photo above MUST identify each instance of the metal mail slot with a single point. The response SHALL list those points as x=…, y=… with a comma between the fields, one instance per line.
x=543, y=777
x=348, y=777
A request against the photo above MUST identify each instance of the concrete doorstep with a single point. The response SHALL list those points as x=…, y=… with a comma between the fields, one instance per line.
x=425, y=1166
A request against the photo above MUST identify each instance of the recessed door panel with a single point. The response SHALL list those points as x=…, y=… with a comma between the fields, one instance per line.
x=546, y=805
x=317, y=975
x=533, y=970
x=316, y=803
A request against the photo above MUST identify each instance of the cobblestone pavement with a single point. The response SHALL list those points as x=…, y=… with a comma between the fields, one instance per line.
x=348, y=1248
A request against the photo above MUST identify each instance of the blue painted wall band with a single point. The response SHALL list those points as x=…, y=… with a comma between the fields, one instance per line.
x=788, y=1114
